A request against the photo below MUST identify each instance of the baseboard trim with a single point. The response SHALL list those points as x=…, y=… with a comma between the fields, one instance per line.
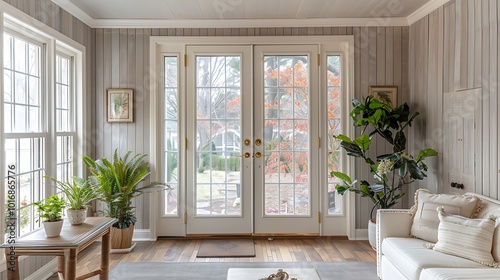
x=45, y=271
x=361, y=234
x=142, y=235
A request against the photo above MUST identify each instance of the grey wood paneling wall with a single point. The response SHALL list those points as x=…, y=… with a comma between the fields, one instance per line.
x=456, y=48
x=122, y=60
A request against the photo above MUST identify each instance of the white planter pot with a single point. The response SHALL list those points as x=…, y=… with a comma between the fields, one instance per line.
x=77, y=217
x=53, y=229
x=372, y=233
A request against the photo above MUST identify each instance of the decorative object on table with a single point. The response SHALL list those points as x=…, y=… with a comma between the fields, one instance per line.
x=117, y=183
x=280, y=275
x=120, y=105
x=385, y=94
x=51, y=211
x=391, y=172
x=79, y=193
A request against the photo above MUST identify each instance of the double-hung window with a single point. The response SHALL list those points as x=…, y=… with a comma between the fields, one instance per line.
x=40, y=119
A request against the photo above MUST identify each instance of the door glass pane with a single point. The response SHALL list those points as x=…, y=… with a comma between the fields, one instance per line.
x=171, y=145
x=333, y=87
x=286, y=130
x=218, y=130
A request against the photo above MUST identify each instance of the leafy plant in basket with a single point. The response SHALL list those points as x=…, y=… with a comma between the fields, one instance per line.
x=118, y=182
x=391, y=172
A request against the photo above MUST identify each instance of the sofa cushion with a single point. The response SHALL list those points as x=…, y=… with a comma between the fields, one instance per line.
x=425, y=219
x=491, y=207
x=460, y=273
x=410, y=256
x=466, y=238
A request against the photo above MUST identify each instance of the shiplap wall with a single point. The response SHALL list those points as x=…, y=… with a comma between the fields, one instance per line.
x=47, y=13
x=122, y=60
x=456, y=48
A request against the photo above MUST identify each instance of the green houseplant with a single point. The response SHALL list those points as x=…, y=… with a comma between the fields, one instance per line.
x=392, y=171
x=51, y=211
x=117, y=183
x=79, y=193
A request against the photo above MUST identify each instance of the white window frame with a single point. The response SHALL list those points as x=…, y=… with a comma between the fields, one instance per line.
x=21, y=23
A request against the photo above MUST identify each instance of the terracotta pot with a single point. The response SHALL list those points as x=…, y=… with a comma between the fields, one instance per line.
x=372, y=233
x=121, y=238
x=77, y=217
x=53, y=229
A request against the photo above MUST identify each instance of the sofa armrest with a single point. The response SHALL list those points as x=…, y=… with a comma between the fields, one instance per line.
x=391, y=223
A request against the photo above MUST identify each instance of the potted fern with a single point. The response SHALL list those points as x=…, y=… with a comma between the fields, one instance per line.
x=79, y=193
x=117, y=183
x=51, y=211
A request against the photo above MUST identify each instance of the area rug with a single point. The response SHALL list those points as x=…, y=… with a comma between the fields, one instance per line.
x=226, y=248
x=218, y=270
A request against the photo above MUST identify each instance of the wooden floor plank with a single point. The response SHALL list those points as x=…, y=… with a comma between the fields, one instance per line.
x=317, y=249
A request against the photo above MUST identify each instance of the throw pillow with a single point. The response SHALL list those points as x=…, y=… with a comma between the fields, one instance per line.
x=425, y=219
x=466, y=238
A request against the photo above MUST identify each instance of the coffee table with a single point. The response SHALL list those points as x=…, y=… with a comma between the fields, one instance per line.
x=259, y=273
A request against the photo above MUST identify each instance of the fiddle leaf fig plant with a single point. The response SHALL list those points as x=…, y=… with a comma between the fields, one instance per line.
x=391, y=172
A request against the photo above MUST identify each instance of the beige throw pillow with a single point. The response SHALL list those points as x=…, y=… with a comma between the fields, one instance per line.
x=466, y=238
x=425, y=219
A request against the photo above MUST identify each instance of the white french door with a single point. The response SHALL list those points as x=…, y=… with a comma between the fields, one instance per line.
x=219, y=93
x=242, y=133
x=285, y=126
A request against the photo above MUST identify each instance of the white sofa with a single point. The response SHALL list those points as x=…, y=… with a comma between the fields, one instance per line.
x=400, y=256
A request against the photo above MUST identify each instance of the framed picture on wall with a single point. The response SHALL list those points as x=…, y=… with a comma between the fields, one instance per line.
x=119, y=105
x=385, y=94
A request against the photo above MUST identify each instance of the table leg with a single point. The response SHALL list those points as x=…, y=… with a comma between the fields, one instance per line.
x=12, y=264
x=105, y=250
x=61, y=265
x=70, y=269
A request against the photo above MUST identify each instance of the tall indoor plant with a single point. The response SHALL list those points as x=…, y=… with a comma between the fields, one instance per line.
x=118, y=182
x=392, y=171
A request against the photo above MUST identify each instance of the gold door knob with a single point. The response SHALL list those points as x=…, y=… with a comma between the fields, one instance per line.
x=258, y=154
x=258, y=142
x=247, y=142
x=246, y=155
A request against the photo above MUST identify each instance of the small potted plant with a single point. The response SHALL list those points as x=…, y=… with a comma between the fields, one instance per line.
x=79, y=193
x=51, y=211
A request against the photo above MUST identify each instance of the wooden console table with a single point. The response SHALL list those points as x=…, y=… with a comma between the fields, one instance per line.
x=72, y=240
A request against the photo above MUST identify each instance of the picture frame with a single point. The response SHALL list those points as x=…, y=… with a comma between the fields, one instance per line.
x=385, y=94
x=119, y=105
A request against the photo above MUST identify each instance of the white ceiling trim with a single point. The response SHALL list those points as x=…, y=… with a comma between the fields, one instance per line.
x=425, y=10
x=248, y=23
x=75, y=11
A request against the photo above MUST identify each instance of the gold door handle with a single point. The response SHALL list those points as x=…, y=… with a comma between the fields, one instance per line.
x=247, y=142
x=246, y=155
x=258, y=142
x=259, y=155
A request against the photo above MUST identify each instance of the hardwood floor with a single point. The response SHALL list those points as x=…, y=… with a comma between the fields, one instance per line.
x=317, y=249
